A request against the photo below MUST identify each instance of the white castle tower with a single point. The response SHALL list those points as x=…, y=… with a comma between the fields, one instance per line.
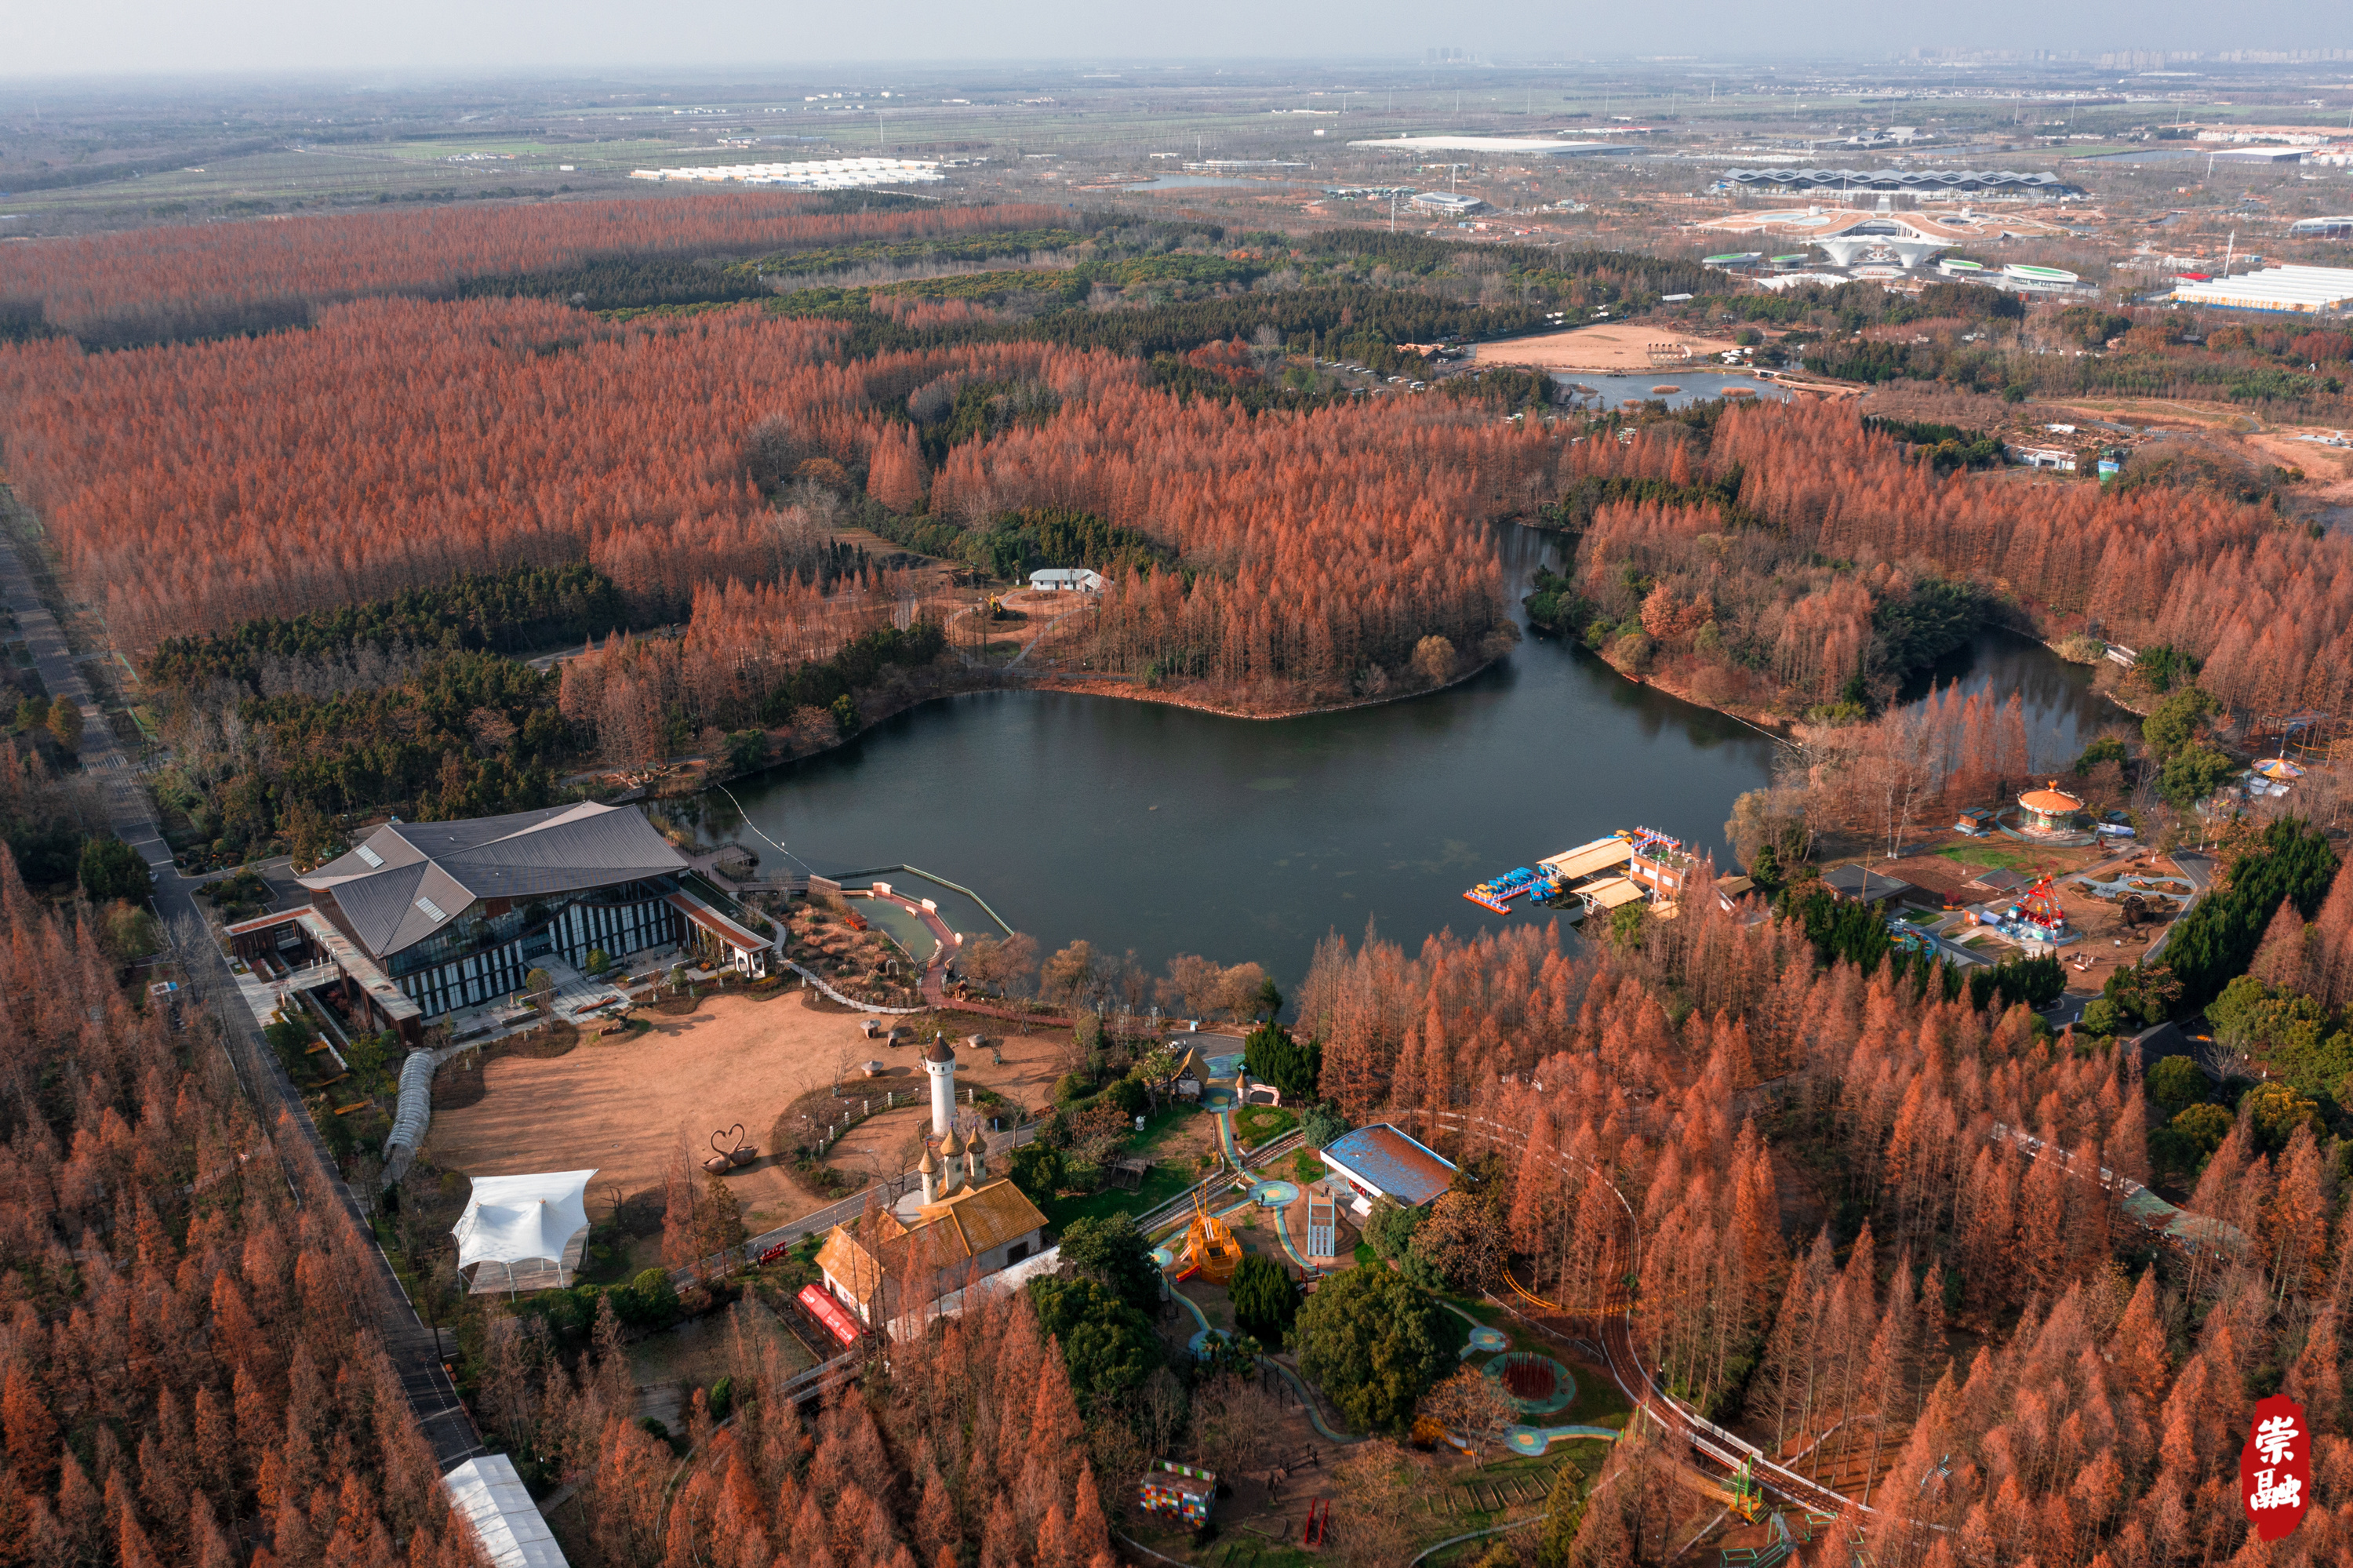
x=939, y=1061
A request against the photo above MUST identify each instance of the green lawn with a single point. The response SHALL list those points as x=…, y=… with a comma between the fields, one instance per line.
x=1167, y=1177
x=1599, y=1402
x=1254, y=1125
x=1160, y=1183
x=1986, y=855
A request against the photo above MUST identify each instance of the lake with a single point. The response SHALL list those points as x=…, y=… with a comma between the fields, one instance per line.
x=1141, y=826
x=1588, y=390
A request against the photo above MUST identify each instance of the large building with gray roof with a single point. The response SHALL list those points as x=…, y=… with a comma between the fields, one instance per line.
x=457, y=913
x=421, y=919
x=1919, y=182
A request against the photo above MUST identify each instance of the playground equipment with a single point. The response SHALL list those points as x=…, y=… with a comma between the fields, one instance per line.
x=1210, y=1249
x=2041, y=908
x=2036, y=917
x=1538, y=1385
x=1319, y=1523
x=1748, y=1493
x=729, y=1150
x=1783, y=1545
x=1180, y=1492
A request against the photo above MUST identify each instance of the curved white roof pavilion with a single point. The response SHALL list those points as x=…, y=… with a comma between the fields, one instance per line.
x=528, y=1231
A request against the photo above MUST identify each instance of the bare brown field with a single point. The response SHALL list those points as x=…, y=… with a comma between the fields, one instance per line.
x=619, y=1107
x=1612, y=347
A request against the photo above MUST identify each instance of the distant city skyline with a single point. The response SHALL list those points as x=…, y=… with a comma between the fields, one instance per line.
x=104, y=37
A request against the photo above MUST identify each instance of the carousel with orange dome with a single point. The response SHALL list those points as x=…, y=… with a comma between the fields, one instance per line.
x=2049, y=812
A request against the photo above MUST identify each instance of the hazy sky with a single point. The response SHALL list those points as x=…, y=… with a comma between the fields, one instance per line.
x=82, y=37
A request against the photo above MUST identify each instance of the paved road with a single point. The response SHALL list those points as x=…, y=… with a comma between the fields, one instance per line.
x=406, y=1337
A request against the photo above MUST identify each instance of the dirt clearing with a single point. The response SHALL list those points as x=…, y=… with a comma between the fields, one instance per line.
x=619, y=1106
x=1617, y=346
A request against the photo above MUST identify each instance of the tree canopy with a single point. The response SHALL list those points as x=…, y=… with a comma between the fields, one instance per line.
x=1371, y=1341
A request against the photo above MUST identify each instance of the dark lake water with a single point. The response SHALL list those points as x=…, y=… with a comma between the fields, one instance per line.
x=1165, y=830
x=1590, y=390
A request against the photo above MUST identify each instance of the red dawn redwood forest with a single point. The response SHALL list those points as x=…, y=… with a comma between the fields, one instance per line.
x=1863, y=1211
x=1770, y=555
x=2032, y=1377
x=189, y=1370
x=229, y=277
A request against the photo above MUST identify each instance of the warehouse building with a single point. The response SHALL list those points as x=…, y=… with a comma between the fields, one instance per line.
x=1384, y=1161
x=2304, y=291
x=816, y=175
x=1927, y=183
x=1498, y=147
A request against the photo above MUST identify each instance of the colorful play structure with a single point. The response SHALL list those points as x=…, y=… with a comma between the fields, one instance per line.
x=2036, y=915
x=1210, y=1249
x=1785, y=1540
x=1180, y=1493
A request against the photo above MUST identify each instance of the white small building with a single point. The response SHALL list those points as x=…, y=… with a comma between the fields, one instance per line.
x=2058, y=458
x=2032, y=280
x=1067, y=579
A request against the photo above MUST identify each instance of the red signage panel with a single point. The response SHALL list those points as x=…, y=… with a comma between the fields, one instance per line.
x=828, y=1311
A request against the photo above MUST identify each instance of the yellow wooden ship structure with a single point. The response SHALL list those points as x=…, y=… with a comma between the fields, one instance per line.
x=1210, y=1249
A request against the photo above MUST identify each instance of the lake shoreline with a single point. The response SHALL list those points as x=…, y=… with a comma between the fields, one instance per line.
x=700, y=778
x=1796, y=731
x=1110, y=686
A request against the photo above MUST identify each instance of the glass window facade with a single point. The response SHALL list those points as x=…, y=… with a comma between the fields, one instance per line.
x=482, y=956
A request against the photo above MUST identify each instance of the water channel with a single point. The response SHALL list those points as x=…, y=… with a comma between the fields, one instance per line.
x=1159, y=829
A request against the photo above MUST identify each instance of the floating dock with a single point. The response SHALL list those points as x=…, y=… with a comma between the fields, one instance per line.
x=1497, y=894
x=1587, y=873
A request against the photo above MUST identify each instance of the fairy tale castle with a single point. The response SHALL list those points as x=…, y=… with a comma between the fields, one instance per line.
x=966, y=1228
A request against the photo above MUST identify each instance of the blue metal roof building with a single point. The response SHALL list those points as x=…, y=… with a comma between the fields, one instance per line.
x=1383, y=1162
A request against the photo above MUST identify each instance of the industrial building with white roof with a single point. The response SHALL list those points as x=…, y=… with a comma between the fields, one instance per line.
x=2305, y=290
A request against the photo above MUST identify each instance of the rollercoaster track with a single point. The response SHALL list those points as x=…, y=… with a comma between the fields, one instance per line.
x=1624, y=1360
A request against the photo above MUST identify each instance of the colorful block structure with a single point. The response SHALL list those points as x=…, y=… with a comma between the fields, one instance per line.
x=1179, y=1493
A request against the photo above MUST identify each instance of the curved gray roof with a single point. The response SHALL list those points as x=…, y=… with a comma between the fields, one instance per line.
x=407, y=880
x=1906, y=179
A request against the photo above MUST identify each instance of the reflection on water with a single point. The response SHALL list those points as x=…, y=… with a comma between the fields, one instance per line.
x=1588, y=390
x=1139, y=826
x=1165, y=831
x=2062, y=714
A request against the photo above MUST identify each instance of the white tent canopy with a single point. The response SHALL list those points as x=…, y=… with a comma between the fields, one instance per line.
x=487, y=1494
x=530, y=1226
